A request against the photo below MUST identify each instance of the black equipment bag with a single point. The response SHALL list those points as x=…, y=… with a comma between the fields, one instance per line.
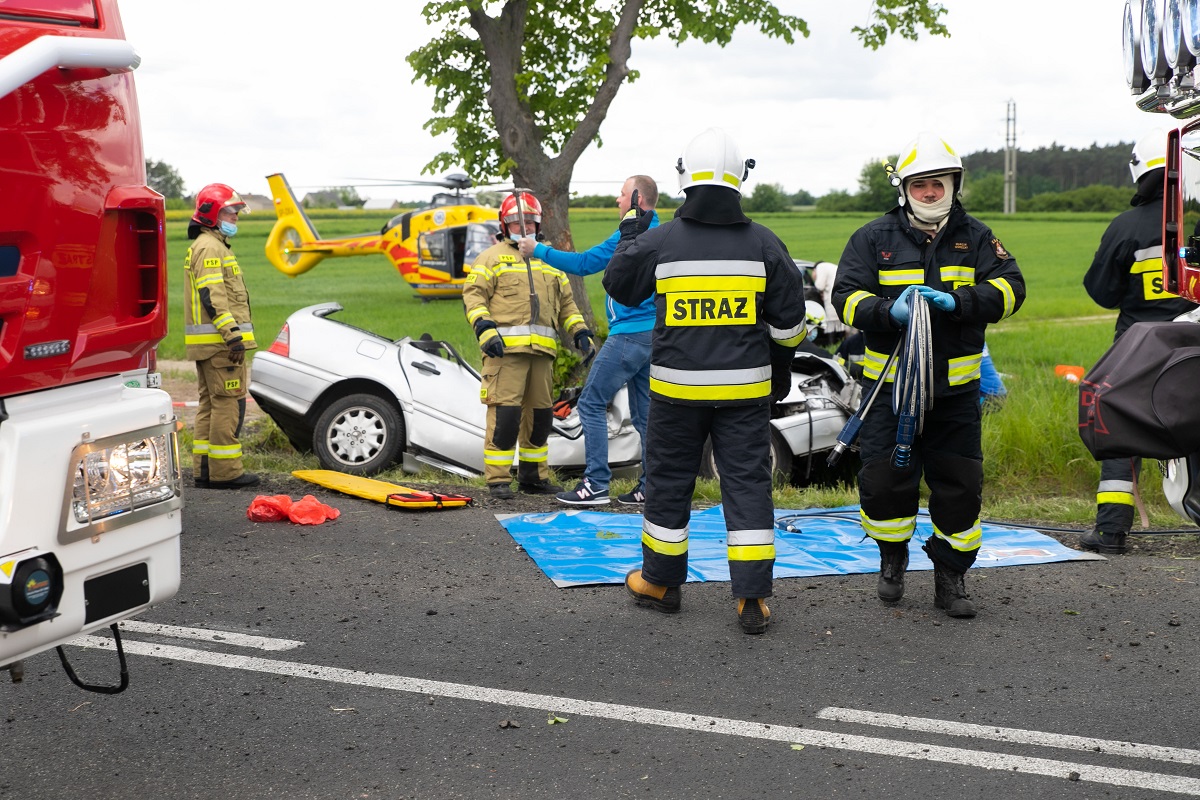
x=1141, y=397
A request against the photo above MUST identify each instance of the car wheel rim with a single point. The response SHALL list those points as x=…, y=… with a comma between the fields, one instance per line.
x=356, y=436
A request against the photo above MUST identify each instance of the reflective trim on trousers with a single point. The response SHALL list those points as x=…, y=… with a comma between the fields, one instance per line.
x=225, y=451
x=899, y=529
x=500, y=457
x=534, y=454
x=200, y=447
x=963, y=541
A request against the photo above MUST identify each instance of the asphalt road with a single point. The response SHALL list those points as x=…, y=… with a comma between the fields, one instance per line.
x=394, y=655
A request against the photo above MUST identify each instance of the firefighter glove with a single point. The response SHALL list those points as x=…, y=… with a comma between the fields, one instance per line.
x=490, y=340
x=237, y=351
x=583, y=342
x=942, y=301
x=636, y=220
x=900, y=310
x=781, y=371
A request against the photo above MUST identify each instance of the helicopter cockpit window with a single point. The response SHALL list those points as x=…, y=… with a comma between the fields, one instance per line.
x=480, y=236
x=431, y=249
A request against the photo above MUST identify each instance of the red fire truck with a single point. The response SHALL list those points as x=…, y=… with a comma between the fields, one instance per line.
x=90, y=490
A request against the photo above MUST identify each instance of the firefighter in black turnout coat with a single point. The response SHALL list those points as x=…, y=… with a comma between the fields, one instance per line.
x=1126, y=274
x=930, y=245
x=730, y=312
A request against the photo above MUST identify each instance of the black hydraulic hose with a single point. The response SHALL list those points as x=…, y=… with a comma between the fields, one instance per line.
x=849, y=432
x=912, y=393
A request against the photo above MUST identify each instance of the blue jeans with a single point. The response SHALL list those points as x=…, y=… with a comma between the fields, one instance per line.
x=624, y=358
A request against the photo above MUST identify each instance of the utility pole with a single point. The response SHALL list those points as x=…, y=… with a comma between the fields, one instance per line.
x=1010, y=160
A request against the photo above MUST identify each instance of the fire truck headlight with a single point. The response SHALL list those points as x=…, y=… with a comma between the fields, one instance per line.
x=1135, y=76
x=1154, y=58
x=1189, y=12
x=1179, y=56
x=120, y=477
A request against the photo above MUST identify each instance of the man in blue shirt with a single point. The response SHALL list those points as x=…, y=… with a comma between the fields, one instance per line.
x=624, y=358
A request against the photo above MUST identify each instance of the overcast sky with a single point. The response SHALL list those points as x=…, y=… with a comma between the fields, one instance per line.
x=322, y=92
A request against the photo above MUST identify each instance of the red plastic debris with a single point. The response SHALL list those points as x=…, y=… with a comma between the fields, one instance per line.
x=275, y=508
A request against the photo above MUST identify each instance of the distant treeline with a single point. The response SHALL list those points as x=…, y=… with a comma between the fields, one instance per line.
x=1053, y=178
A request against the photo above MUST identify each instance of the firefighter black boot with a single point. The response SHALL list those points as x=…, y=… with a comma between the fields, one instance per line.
x=950, y=592
x=893, y=560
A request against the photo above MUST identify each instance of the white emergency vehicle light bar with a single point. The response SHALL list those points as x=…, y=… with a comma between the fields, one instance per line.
x=1161, y=43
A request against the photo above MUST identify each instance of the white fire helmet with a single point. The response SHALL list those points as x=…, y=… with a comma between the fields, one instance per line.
x=1149, y=153
x=814, y=317
x=926, y=154
x=713, y=159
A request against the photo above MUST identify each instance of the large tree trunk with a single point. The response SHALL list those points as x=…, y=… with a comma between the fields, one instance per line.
x=549, y=178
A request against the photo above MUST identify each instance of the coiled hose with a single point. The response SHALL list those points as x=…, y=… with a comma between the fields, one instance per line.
x=912, y=392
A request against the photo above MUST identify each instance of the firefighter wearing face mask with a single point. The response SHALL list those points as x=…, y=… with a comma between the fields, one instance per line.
x=516, y=307
x=1126, y=274
x=730, y=313
x=927, y=244
x=217, y=333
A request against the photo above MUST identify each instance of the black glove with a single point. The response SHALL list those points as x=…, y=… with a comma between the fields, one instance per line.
x=636, y=220
x=493, y=344
x=781, y=371
x=583, y=342
x=237, y=351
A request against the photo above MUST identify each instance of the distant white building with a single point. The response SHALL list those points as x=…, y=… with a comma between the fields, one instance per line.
x=381, y=204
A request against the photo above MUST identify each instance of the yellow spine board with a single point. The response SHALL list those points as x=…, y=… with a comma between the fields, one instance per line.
x=390, y=494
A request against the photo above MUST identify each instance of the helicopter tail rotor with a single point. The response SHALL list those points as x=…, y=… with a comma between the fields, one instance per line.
x=291, y=232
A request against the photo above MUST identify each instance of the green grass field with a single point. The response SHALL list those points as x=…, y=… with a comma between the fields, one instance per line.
x=1036, y=467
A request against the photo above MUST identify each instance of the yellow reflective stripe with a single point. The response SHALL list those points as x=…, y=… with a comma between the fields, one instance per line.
x=1155, y=163
x=705, y=175
x=530, y=341
x=711, y=283
x=222, y=320
x=745, y=391
x=1149, y=265
x=964, y=369
x=574, y=319
x=225, y=451
x=476, y=313
x=751, y=552
x=203, y=338
x=899, y=529
x=487, y=335
x=900, y=277
x=533, y=453
x=209, y=279
x=872, y=363
x=200, y=447
x=482, y=270
x=963, y=541
x=732, y=180
x=498, y=456
x=1119, y=498
x=664, y=548
x=852, y=306
x=954, y=274
x=1010, y=297
x=791, y=337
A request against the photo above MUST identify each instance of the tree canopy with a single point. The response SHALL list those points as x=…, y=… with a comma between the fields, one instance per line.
x=548, y=72
x=164, y=179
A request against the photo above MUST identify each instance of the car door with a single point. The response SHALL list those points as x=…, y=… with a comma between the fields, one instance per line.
x=447, y=418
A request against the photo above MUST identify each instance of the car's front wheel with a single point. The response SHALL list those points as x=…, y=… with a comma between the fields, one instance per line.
x=361, y=434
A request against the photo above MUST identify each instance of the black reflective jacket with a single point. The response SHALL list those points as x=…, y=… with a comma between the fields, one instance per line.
x=887, y=255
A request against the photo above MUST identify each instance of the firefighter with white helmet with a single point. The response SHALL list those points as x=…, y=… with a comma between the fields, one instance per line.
x=516, y=306
x=1126, y=274
x=928, y=244
x=727, y=324
x=217, y=334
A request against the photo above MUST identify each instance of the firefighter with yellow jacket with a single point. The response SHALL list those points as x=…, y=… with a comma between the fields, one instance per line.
x=217, y=333
x=516, y=307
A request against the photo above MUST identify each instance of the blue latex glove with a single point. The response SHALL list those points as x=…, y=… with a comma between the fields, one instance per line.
x=899, y=311
x=942, y=301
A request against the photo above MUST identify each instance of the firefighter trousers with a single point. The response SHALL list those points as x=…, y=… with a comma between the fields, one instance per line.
x=950, y=455
x=1114, y=496
x=516, y=389
x=216, y=451
x=741, y=443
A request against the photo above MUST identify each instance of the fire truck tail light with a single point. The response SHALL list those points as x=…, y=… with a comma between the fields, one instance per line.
x=119, y=478
x=283, y=342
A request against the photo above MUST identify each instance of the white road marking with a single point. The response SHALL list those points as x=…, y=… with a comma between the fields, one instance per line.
x=1176, y=755
x=209, y=635
x=566, y=706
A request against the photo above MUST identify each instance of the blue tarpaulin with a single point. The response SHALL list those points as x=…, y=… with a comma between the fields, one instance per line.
x=575, y=548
